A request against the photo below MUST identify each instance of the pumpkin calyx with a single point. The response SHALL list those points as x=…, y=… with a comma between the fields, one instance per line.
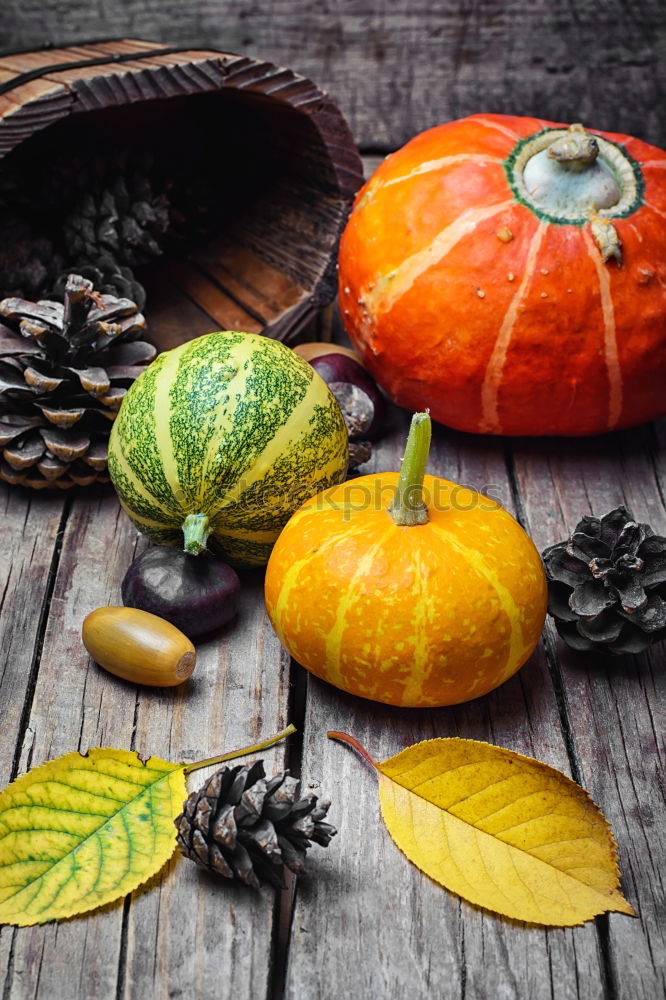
x=196, y=529
x=408, y=507
x=567, y=175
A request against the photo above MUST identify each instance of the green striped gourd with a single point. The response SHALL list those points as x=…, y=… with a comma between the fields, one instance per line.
x=225, y=436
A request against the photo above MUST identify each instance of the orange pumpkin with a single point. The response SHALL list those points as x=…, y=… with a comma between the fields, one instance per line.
x=436, y=602
x=510, y=274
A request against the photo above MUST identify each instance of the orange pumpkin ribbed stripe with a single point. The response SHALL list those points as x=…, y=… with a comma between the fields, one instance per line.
x=388, y=290
x=655, y=209
x=430, y=166
x=497, y=128
x=610, y=336
x=490, y=421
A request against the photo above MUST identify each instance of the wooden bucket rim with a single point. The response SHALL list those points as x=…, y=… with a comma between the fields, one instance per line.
x=294, y=89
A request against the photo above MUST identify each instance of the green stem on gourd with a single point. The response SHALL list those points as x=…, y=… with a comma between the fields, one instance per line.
x=232, y=754
x=196, y=530
x=408, y=507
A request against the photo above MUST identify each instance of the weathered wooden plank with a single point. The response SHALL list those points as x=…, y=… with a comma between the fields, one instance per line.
x=397, y=68
x=367, y=922
x=76, y=705
x=29, y=523
x=186, y=928
x=616, y=707
x=197, y=934
x=173, y=318
x=211, y=297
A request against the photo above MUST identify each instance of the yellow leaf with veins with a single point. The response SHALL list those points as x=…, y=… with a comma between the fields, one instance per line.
x=81, y=831
x=503, y=831
x=86, y=829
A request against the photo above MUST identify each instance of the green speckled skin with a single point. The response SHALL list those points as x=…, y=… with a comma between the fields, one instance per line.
x=233, y=426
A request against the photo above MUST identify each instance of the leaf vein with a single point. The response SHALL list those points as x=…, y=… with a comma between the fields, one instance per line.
x=39, y=880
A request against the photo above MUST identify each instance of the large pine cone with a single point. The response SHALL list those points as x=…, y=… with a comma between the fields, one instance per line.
x=607, y=584
x=244, y=827
x=64, y=370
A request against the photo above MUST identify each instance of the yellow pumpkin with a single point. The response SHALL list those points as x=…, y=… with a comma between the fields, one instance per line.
x=408, y=590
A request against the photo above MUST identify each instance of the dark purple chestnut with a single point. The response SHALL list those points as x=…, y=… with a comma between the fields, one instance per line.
x=360, y=400
x=194, y=593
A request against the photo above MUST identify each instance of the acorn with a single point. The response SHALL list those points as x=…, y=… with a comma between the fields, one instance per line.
x=138, y=646
x=360, y=399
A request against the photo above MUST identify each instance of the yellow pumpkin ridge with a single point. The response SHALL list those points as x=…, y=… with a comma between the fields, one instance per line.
x=420, y=620
x=291, y=576
x=334, y=638
x=490, y=421
x=517, y=645
x=610, y=334
x=387, y=291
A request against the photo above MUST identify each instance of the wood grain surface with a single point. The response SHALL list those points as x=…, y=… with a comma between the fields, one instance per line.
x=396, y=68
x=364, y=922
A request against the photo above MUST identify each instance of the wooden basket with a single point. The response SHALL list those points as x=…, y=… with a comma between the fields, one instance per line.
x=288, y=166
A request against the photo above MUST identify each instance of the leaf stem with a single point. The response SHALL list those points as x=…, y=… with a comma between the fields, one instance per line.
x=360, y=749
x=408, y=507
x=254, y=748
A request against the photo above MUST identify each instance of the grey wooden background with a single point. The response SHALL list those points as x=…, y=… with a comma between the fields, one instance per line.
x=398, y=66
x=366, y=924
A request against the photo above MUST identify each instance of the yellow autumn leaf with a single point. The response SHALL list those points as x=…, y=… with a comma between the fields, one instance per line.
x=84, y=830
x=504, y=831
x=80, y=831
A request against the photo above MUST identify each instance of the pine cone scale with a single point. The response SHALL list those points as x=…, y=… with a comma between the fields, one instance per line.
x=26, y=454
x=235, y=820
x=607, y=584
x=54, y=379
x=61, y=418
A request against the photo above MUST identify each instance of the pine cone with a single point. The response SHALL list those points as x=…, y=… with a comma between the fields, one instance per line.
x=108, y=277
x=118, y=225
x=607, y=584
x=28, y=261
x=242, y=826
x=64, y=370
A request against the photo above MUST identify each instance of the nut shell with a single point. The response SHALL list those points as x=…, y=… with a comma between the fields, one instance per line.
x=316, y=348
x=138, y=646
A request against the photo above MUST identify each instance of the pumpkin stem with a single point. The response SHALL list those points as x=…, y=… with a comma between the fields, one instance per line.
x=408, y=507
x=575, y=151
x=196, y=530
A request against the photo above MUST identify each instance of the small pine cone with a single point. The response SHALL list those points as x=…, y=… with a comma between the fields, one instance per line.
x=108, y=277
x=28, y=261
x=124, y=220
x=64, y=370
x=244, y=827
x=607, y=584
